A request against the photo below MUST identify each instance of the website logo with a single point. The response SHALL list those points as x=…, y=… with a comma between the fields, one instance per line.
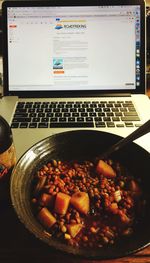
x=70, y=24
x=59, y=26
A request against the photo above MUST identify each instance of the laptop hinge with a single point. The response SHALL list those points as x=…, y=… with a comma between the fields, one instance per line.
x=74, y=95
x=116, y=95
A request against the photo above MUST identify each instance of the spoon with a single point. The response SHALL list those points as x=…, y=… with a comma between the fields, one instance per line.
x=142, y=130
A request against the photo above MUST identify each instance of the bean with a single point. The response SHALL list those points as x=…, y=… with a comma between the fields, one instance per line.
x=54, y=163
x=64, y=229
x=34, y=200
x=85, y=238
x=68, y=215
x=45, y=168
x=67, y=236
x=105, y=240
x=93, y=230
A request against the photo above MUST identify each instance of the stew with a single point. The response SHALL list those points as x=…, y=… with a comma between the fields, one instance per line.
x=87, y=204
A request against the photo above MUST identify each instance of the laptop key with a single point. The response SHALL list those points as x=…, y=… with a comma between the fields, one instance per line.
x=65, y=110
x=36, y=119
x=89, y=119
x=115, y=118
x=33, y=125
x=90, y=110
x=28, y=106
x=21, y=115
x=48, y=110
x=101, y=114
x=106, y=110
x=80, y=119
x=75, y=114
x=22, y=119
x=106, y=119
x=123, y=109
x=32, y=115
x=53, y=119
x=118, y=114
x=130, y=118
x=20, y=110
x=36, y=106
x=98, y=110
x=128, y=124
x=131, y=109
x=120, y=125
x=115, y=110
x=37, y=102
x=58, y=114
x=110, y=124
x=49, y=114
x=43, y=125
x=56, y=110
x=15, y=125
x=71, y=119
x=131, y=113
x=20, y=105
x=62, y=119
x=109, y=114
x=31, y=110
x=98, y=118
x=23, y=125
x=137, y=124
x=117, y=105
x=92, y=114
x=84, y=114
x=100, y=124
x=39, y=110
x=67, y=114
x=72, y=125
x=73, y=110
x=109, y=105
x=44, y=120
x=41, y=114
x=28, y=103
x=44, y=106
x=81, y=110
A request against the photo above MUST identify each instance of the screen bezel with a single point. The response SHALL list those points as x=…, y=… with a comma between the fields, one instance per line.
x=139, y=89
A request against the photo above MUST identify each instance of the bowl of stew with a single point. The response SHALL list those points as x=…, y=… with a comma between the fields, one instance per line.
x=77, y=203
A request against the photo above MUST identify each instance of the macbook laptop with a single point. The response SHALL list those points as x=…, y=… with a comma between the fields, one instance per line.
x=73, y=65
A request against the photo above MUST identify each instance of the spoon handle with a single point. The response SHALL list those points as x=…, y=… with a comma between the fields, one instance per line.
x=142, y=130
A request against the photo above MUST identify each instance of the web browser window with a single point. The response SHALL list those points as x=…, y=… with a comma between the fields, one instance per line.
x=74, y=48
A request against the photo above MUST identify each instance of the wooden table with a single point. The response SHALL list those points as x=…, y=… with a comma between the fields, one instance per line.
x=17, y=245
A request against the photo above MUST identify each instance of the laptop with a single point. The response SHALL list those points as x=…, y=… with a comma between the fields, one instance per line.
x=73, y=65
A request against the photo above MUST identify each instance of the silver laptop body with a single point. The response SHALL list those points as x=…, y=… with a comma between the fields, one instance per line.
x=80, y=53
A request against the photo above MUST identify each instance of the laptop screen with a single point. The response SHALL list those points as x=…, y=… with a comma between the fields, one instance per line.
x=64, y=48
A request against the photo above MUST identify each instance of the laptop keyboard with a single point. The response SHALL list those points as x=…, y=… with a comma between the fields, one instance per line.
x=75, y=114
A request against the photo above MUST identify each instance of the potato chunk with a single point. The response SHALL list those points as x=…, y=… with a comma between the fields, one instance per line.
x=46, y=200
x=81, y=201
x=46, y=218
x=105, y=169
x=74, y=229
x=61, y=203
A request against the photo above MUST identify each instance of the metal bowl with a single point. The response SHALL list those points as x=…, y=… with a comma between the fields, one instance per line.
x=81, y=144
